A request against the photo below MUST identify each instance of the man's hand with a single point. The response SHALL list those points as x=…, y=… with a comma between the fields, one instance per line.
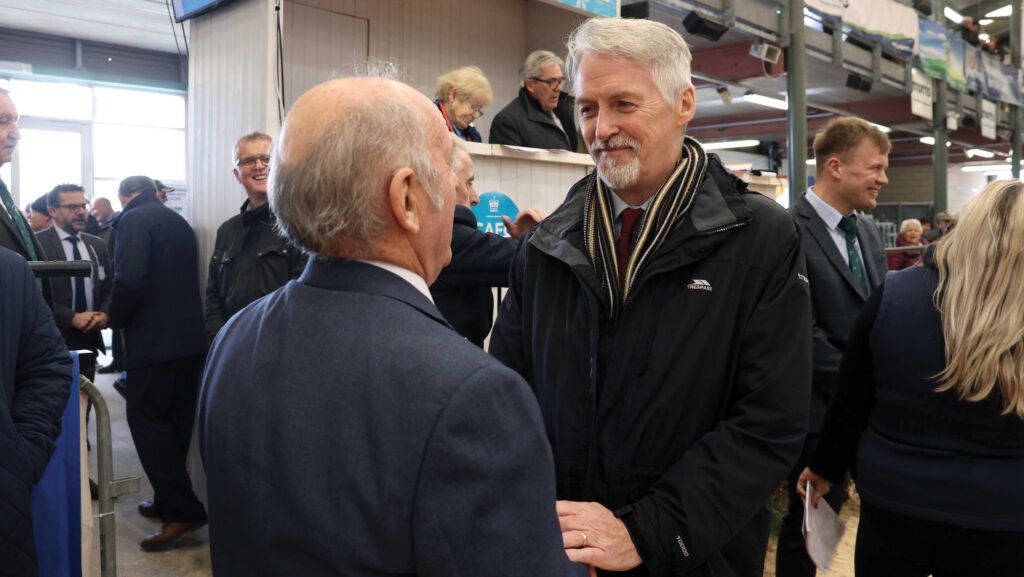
x=99, y=322
x=81, y=321
x=608, y=544
x=821, y=486
x=524, y=222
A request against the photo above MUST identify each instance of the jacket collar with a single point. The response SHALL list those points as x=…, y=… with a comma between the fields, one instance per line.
x=819, y=231
x=141, y=200
x=464, y=215
x=353, y=276
x=260, y=213
x=717, y=208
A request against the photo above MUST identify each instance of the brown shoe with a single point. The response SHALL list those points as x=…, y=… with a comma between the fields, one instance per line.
x=169, y=533
x=148, y=509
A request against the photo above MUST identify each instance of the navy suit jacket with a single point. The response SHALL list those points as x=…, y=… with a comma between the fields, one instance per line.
x=836, y=296
x=156, y=285
x=347, y=430
x=102, y=282
x=35, y=381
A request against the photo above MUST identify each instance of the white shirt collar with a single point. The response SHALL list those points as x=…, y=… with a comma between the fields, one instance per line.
x=826, y=211
x=62, y=233
x=619, y=205
x=407, y=275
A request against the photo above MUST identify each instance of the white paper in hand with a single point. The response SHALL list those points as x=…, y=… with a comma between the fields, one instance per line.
x=822, y=531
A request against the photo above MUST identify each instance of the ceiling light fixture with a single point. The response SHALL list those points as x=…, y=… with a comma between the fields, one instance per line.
x=1001, y=13
x=980, y=152
x=811, y=162
x=766, y=101
x=993, y=168
x=930, y=140
x=729, y=144
x=985, y=21
x=983, y=37
x=952, y=15
x=881, y=127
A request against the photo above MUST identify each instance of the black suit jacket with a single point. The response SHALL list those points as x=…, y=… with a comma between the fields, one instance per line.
x=836, y=297
x=95, y=250
x=418, y=453
x=11, y=240
x=156, y=285
x=464, y=290
x=524, y=123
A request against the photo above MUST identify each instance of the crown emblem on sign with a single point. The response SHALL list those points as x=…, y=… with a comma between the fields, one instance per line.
x=493, y=204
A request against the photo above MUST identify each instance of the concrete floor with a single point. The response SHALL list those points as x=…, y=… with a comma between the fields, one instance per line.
x=191, y=558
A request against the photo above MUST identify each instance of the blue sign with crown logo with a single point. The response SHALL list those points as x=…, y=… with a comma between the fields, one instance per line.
x=494, y=205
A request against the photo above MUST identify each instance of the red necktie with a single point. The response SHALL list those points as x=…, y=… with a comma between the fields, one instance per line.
x=623, y=245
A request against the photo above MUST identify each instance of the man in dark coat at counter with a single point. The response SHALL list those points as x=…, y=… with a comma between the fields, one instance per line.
x=81, y=305
x=35, y=381
x=542, y=115
x=845, y=262
x=249, y=258
x=156, y=301
x=464, y=293
x=380, y=442
x=662, y=317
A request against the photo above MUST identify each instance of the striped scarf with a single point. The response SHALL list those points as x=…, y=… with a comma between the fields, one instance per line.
x=667, y=210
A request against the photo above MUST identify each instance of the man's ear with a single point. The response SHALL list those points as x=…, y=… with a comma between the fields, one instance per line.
x=686, y=107
x=238, y=175
x=403, y=201
x=834, y=167
x=52, y=211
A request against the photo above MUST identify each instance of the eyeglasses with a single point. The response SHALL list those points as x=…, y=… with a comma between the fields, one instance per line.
x=553, y=83
x=75, y=207
x=250, y=161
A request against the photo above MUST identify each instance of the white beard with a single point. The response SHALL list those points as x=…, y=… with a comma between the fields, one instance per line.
x=620, y=175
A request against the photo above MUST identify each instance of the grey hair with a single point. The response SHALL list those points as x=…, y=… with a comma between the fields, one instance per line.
x=655, y=46
x=908, y=222
x=251, y=137
x=456, y=146
x=333, y=199
x=537, y=60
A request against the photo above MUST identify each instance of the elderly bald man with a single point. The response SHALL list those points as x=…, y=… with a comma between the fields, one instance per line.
x=387, y=444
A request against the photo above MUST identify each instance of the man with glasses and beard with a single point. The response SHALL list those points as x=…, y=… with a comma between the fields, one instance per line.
x=542, y=115
x=249, y=258
x=80, y=304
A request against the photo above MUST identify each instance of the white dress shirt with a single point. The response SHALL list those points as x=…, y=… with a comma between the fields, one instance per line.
x=407, y=275
x=831, y=216
x=87, y=254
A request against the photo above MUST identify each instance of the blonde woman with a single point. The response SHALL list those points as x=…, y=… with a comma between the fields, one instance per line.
x=461, y=96
x=929, y=415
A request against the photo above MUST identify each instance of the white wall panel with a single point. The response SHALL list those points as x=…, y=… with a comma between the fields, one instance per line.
x=319, y=45
x=231, y=92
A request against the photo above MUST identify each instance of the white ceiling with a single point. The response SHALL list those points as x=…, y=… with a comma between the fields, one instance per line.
x=137, y=23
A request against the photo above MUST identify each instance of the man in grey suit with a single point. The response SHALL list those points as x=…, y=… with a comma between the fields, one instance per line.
x=80, y=304
x=345, y=427
x=845, y=263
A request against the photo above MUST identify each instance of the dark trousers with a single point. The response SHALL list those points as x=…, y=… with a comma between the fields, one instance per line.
x=161, y=403
x=893, y=545
x=117, y=348
x=792, y=559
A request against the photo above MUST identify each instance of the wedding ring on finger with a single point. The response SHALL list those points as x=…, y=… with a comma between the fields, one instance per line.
x=584, y=544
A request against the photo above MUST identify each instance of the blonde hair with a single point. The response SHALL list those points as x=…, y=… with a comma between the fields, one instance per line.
x=981, y=264
x=468, y=82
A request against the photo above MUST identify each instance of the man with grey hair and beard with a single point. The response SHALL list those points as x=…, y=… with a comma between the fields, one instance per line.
x=385, y=444
x=662, y=317
x=541, y=116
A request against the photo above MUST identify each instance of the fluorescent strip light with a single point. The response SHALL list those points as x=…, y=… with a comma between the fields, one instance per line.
x=995, y=168
x=729, y=144
x=952, y=15
x=811, y=162
x=881, y=127
x=1001, y=13
x=983, y=37
x=980, y=152
x=930, y=140
x=985, y=21
x=766, y=101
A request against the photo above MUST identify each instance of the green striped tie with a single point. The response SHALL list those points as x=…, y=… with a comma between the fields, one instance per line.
x=19, y=221
x=849, y=226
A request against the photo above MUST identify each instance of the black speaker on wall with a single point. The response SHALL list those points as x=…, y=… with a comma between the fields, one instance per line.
x=858, y=82
x=637, y=10
x=701, y=26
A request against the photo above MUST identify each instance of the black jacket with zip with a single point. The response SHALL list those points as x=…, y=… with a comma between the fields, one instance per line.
x=685, y=413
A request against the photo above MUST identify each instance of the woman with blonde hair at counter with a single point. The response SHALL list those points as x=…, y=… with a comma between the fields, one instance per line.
x=461, y=96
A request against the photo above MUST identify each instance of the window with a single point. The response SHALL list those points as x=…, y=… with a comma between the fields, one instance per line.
x=52, y=99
